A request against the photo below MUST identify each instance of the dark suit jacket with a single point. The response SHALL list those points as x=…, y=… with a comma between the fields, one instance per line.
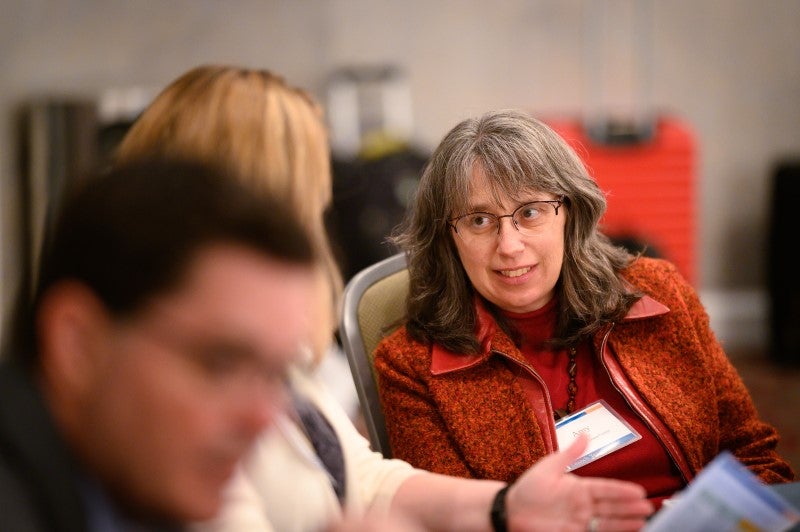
x=39, y=489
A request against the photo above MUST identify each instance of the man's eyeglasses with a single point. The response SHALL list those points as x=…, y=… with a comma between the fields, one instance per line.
x=529, y=219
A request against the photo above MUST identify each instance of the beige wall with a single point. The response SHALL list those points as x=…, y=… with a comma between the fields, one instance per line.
x=731, y=68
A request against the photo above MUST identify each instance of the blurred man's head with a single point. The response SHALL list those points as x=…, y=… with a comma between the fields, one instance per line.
x=171, y=301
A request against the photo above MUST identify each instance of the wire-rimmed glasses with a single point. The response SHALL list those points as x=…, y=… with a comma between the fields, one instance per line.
x=529, y=219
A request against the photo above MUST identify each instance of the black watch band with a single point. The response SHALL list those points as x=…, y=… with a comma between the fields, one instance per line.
x=498, y=514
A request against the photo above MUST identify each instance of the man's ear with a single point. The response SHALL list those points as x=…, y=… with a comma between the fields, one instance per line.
x=70, y=324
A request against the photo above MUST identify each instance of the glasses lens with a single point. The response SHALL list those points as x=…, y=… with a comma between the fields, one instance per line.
x=477, y=224
x=531, y=217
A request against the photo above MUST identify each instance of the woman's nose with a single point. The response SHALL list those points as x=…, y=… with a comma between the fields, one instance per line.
x=509, y=239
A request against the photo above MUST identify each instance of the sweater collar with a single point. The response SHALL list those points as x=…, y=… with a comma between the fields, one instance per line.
x=492, y=338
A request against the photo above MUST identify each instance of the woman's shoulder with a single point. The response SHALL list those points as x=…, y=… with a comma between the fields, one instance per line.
x=660, y=279
x=398, y=337
x=649, y=270
x=400, y=347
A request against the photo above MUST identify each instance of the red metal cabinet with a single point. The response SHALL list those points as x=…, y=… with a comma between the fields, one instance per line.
x=650, y=187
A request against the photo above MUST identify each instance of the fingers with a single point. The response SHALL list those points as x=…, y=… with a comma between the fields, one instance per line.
x=623, y=507
x=606, y=489
x=562, y=459
x=618, y=506
x=615, y=524
x=619, y=514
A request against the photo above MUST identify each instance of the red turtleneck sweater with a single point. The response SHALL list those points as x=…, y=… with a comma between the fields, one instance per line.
x=645, y=461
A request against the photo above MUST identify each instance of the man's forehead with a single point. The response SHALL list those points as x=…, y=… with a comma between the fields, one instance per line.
x=242, y=294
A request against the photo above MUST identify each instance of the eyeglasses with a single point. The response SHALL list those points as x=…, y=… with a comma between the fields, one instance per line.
x=529, y=219
x=227, y=365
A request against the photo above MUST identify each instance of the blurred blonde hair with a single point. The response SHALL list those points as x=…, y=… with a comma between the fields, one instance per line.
x=270, y=133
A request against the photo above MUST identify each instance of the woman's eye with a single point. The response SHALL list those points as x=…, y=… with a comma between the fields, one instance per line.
x=481, y=221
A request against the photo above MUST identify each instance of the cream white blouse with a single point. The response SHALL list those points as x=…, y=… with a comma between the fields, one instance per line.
x=282, y=485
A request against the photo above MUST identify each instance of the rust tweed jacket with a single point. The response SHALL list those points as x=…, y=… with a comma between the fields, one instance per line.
x=468, y=415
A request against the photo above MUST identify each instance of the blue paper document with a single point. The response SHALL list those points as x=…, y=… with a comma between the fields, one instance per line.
x=725, y=496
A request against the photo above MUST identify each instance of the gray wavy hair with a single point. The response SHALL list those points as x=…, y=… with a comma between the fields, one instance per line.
x=519, y=154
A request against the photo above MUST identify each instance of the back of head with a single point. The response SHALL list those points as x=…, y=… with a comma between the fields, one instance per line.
x=273, y=136
x=270, y=133
x=131, y=233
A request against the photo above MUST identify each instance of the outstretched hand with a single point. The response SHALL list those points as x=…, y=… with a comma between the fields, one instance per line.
x=547, y=498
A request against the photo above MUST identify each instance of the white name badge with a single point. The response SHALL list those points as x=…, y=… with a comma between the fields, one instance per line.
x=606, y=429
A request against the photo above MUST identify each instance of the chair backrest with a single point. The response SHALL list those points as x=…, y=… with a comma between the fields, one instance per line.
x=373, y=301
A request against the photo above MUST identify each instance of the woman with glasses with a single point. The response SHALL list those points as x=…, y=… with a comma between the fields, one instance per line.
x=526, y=325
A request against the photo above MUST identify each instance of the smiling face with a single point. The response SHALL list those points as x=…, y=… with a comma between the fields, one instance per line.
x=516, y=272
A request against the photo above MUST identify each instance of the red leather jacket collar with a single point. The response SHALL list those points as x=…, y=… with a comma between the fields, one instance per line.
x=445, y=361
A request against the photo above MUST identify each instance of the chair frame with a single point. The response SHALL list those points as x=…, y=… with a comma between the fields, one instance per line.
x=350, y=333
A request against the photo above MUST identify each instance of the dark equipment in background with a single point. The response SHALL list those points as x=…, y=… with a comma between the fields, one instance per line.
x=370, y=197
x=375, y=167
x=61, y=139
x=783, y=281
